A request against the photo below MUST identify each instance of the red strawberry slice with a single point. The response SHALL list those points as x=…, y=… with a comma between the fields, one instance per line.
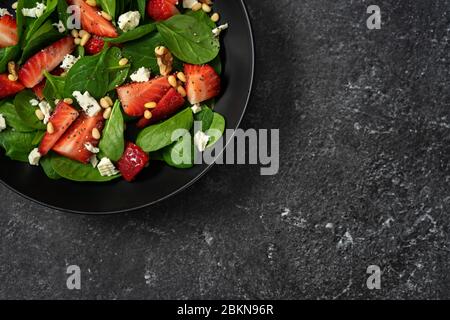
x=61, y=120
x=93, y=22
x=9, y=88
x=162, y=9
x=203, y=83
x=94, y=45
x=72, y=143
x=39, y=88
x=32, y=72
x=167, y=106
x=8, y=31
x=135, y=95
x=133, y=160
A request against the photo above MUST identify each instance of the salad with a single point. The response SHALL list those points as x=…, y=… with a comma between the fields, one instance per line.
x=93, y=90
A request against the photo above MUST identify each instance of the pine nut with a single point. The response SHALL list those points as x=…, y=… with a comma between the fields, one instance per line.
x=68, y=100
x=172, y=81
x=206, y=8
x=160, y=50
x=39, y=114
x=12, y=77
x=148, y=114
x=215, y=17
x=123, y=62
x=75, y=33
x=150, y=105
x=12, y=68
x=50, y=128
x=181, y=91
x=77, y=41
x=104, y=104
x=181, y=76
x=196, y=6
x=109, y=100
x=106, y=16
x=81, y=33
x=107, y=113
x=14, y=6
x=92, y=3
x=84, y=39
x=96, y=134
x=57, y=101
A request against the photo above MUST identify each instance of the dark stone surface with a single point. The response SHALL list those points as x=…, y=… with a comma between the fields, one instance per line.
x=365, y=132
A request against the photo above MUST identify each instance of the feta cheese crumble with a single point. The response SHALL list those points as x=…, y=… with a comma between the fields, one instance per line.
x=60, y=26
x=34, y=157
x=196, y=108
x=2, y=123
x=188, y=4
x=4, y=12
x=46, y=109
x=94, y=161
x=89, y=147
x=201, y=141
x=69, y=61
x=34, y=102
x=87, y=103
x=141, y=75
x=35, y=12
x=129, y=21
x=106, y=168
x=217, y=31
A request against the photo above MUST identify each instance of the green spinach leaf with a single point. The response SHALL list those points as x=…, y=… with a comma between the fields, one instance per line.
x=18, y=145
x=216, y=129
x=109, y=6
x=46, y=164
x=112, y=144
x=135, y=34
x=26, y=111
x=141, y=53
x=8, y=110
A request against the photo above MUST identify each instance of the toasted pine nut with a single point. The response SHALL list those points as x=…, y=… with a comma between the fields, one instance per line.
x=57, y=101
x=64, y=74
x=206, y=8
x=84, y=39
x=215, y=17
x=14, y=5
x=107, y=113
x=68, y=100
x=196, y=6
x=104, y=104
x=96, y=134
x=39, y=114
x=150, y=105
x=77, y=41
x=81, y=33
x=12, y=68
x=181, y=91
x=148, y=114
x=92, y=3
x=123, y=62
x=106, y=16
x=50, y=128
x=12, y=77
x=109, y=100
x=172, y=81
x=75, y=33
x=181, y=76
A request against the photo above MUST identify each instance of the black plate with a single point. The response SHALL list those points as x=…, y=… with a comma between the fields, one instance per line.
x=157, y=182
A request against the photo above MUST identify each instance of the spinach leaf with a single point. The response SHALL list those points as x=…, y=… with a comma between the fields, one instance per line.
x=9, y=54
x=205, y=116
x=109, y=6
x=37, y=23
x=217, y=64
x=141, y=53
x=158, y=136
x=46, y=164
x=8, y=110
x=41, y=38
x=142, y=4
x=63, y=16
x=18, y=145
x=174, y=154
x=88, y=74
x=216, y=129
x=134, y=34
x=112, y=144
x=202, y=17
x=189, y=39
x=117, y=74
x=26, y=111
x=54, y=88
x=76, y=171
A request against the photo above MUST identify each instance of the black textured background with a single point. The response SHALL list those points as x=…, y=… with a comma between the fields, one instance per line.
x=364, y=125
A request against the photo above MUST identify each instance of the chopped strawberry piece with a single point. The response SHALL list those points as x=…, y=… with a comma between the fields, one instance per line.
x=39, y=88
x=166, y=107
x=61, y=120
x=162, y=9
x=94, y=45
x=203, y=83
x=72, y=143
x=32, y=72
x=133, y=160
x=8, y=31
x=93, y=22
x=9, y=88
x=134, y=96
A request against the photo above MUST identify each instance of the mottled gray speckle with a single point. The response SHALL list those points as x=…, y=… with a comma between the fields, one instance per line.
x=364, y=178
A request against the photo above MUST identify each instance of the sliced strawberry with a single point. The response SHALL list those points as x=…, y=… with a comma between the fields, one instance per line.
x=134, y=96
x=39, y=88
x=94, y=45
x=133, y=160
x=162, y=9
x=93, y=22
x=32, y=72
x=9, y=88
x=72, y=143
x=61, y=120
x=203, y=83
x=8, y=31
x=167, y=106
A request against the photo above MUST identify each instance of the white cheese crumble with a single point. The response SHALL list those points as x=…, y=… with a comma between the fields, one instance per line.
x=129, y=21
x=34, y=102
x=196, y=108
x=201, y=140
x=60, y=26
x=94, y=161
x=35, y=12
x=87, y=103
x=34, y=157
x=46, y=109
x=188, y=4
x=89, y=147
x=69, y=61
x=106, y=168
x=2, y=123
x=141, y=75
x=217, y=31
x=4, y=12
